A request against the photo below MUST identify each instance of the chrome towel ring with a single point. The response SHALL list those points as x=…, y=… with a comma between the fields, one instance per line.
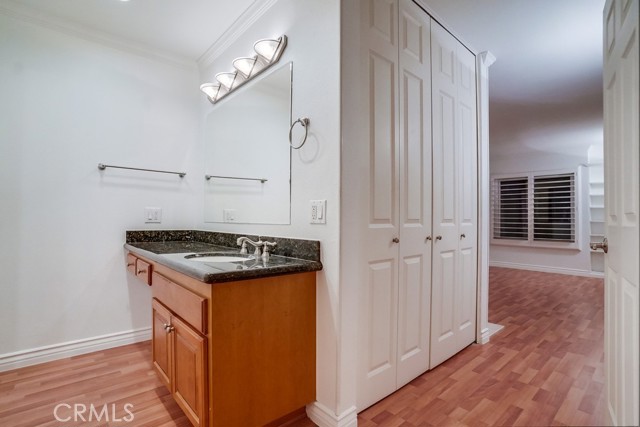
x=304, y=121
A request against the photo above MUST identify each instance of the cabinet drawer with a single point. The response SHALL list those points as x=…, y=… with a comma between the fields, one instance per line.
x=189, y=306
x=143, y=271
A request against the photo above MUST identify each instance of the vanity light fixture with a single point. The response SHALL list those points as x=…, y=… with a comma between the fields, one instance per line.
x=211, y=89
x=246, y=66
x=268, y=48
x=268, y=52
x=228, y=80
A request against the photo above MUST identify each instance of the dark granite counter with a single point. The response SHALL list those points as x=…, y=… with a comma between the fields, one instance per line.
x=170, y=248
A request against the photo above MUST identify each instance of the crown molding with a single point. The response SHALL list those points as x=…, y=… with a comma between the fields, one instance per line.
x=231, y=34
x=11, y=9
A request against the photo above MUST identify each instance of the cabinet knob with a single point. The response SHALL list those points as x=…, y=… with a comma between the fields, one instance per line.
x=462, y=236
x=395, y=240
x=131, y=264
x=167, y=328
x=141, y=271
x=438, y=238
x=428, y=239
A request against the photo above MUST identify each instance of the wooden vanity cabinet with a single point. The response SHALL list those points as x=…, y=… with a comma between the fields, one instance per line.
x=235, y=353
x=179, y=349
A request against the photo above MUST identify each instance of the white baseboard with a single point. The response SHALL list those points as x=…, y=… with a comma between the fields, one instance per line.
x=48, y=353
x=325, y=417
x=484, y=336
x=546, y=269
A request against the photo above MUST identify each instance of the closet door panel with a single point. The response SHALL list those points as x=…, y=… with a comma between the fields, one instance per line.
x=455, y=196
x=378, y=258
x=414, y=296
x=445, y=195
x=383, y=166
x=443, y=315
x=380, y=313
x=468, y=198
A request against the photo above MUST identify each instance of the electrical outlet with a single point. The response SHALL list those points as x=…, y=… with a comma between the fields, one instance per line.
x=152, y=215
x=229, y=215
x=318, y=212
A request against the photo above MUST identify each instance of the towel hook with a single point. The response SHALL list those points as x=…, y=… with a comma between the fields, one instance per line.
x=304, y=121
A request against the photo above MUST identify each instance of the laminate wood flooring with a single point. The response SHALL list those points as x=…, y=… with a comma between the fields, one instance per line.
x=544, y=368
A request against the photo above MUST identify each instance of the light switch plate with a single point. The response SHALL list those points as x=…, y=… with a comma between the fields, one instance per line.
x=152, y=215
x=229, y=215
x=318, y=212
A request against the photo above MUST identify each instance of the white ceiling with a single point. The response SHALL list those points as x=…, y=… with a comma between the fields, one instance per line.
x=546, y=84
x=184, y=28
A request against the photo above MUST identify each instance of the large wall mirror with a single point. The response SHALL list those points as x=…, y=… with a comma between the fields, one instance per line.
x=247, y=153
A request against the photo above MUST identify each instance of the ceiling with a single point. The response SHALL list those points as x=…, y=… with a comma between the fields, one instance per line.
x=545, y=87
x=183, y=28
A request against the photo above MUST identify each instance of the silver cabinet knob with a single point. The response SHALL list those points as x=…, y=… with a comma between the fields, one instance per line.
x=604, y=245
x=395, y=240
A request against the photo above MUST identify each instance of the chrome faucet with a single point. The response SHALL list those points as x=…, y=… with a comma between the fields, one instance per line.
x=242, y=242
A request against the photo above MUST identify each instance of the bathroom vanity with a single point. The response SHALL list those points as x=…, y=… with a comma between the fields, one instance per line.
x=234, y=341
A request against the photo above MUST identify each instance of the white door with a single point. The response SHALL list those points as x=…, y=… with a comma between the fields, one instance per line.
x=396, y=254
x=622, y=191
x=414, y=292
x=378, y=330
x=467, y=190
x=453, y=306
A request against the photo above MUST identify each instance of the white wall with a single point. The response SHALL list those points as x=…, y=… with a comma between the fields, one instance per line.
x=67, y=104
x=313, y=29
x=569, y=261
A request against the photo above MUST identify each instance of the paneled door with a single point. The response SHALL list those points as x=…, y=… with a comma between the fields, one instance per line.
x=414, y=285
x=395, y=262
x=622, y=191
x=378, y=260
x=453, y=308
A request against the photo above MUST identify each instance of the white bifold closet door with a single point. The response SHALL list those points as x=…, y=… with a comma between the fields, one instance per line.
x=454, y=290
x=396, y=255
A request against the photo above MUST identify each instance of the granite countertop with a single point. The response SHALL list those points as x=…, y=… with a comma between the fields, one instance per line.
x=171, y=253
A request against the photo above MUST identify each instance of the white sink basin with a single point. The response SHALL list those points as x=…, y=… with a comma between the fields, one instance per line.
x=219, y=258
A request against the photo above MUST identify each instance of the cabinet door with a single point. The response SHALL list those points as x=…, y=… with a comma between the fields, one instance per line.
x=414, y=285
x=189, y=372
x=161, y=342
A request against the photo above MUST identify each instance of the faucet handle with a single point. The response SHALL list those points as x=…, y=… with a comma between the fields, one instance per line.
x=242, y=241
x=267, y=248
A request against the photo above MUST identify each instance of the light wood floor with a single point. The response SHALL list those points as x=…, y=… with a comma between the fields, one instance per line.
x=544, y=368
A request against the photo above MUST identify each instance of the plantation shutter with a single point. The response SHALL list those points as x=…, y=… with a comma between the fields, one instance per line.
x=511, y=208
x=554, y=207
